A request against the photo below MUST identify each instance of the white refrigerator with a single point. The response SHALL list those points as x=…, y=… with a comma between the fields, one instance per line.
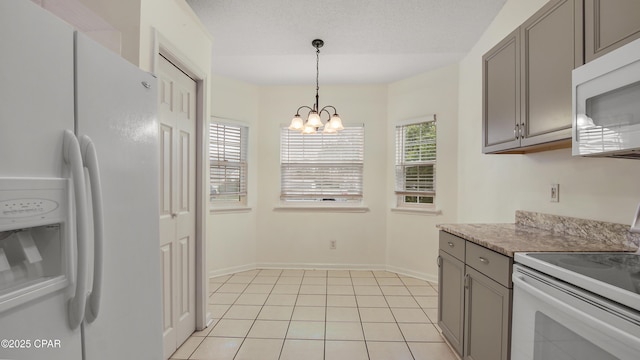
x=79, y=230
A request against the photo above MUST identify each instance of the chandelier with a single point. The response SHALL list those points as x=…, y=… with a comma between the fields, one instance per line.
x=314, y=122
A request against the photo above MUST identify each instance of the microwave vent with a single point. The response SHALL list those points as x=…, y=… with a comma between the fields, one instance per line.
x=635, y=155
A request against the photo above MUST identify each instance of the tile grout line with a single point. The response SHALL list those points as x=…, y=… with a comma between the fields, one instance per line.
x=366, y=346
x=222, y=315
x=284, y=339
x=422, y=309
x=194, y=349
x=254, y=320
x=326, y=306
x=262, y=307
x=327, y=278
x=394, y=315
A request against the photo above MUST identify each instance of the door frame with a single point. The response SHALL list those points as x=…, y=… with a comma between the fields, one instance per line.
x=162, y=46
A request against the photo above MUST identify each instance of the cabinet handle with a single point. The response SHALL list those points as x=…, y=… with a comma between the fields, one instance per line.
x=439, y=261
x=466, y=281
x=451, y=244
x=516, y=132
x=522, y=131
x=483, y=260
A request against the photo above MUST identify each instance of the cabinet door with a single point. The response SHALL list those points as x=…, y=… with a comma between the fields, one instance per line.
x=487, y=318
x=451, y=299
x=609, y=24
x=551, y=47
x=501, y=95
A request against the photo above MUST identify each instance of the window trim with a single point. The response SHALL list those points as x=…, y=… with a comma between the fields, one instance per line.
x=400, y=204
x=349, y=203
x=241, y=204
x=319, y=206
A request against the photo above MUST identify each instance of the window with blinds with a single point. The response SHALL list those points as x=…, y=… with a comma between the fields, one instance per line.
x=416, y=162
x=322, y=167
x=228, y=163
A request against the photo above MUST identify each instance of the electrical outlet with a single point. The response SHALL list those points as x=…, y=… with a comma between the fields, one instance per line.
x=332, y=244
x=554, y=193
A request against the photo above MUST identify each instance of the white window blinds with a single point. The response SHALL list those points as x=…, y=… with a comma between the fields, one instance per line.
x=228, y=162
x=416, y=161
x=322, y=167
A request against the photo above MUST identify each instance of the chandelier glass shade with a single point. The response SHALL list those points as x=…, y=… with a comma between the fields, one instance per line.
x=313, y=121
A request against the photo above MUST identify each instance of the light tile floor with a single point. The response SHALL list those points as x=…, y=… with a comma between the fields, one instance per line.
x=319, y=314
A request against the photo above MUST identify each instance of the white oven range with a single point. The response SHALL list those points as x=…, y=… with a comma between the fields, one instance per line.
x=570, y=306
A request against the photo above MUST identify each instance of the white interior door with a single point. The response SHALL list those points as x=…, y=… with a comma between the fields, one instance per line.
x=177, y=115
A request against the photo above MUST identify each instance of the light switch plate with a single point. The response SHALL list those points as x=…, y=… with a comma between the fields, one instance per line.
x=554, y=193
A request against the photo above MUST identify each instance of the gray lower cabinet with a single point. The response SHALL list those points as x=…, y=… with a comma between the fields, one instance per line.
x=451, y=299
x=475, y=296
x=609, y=24
x=487, y=319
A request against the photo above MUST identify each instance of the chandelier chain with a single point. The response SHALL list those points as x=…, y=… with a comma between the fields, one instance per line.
x=317, y=69
x=317, y=77
x=313, y=121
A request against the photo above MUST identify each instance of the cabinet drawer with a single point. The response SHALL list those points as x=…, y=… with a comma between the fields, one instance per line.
x=452, y=245
x=496, y=266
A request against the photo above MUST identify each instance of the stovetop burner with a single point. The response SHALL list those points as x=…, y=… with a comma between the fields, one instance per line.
x=620, y=270
x=615, y=276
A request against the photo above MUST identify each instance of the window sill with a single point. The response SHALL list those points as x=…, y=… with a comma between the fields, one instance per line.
x=417, y=211
x=322, y=208
x=229, y=210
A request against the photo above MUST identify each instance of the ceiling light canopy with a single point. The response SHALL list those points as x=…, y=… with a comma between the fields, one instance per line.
x=313, y=120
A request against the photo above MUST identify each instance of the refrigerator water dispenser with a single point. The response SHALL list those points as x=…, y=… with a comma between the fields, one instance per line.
x=34, y=239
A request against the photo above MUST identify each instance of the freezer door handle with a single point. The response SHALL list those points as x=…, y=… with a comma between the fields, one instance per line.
x=90, y=160
x=73, y=157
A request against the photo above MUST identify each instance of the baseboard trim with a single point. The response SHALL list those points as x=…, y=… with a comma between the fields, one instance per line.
x=232, y=270
x=416, y=274
x=320, y=266
x=324, y=266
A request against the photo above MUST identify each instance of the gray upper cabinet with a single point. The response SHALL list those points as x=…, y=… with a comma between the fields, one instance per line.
x=527, y=81
x=501, y=95
x=551, y=48
x=609, y=24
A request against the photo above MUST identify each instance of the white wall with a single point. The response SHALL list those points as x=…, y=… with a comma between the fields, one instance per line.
x=412, y=239
x=137, y=19
x=231, y=245
x=492, y=187
x=172, y=25
x=288, y=238
x=472, y=187
x=123, y=15
x=179, y=25
x=376, y=239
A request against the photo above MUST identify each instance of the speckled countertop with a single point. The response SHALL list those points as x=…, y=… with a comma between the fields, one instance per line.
x=543, y=232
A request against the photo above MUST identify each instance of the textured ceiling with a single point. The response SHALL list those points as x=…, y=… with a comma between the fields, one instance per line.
x=366, y=41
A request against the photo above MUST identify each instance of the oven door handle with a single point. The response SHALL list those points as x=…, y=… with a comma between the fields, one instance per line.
x=595, y=323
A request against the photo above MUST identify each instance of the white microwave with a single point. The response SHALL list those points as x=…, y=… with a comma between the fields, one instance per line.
x=606, y=105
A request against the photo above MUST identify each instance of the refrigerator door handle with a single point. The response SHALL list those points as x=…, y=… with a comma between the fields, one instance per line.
x=90, y=160
x=72, y=157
